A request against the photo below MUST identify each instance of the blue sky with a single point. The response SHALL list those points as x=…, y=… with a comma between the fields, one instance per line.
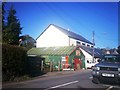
x=80, y=17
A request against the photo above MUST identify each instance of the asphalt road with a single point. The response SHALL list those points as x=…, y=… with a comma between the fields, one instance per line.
x=79, y=80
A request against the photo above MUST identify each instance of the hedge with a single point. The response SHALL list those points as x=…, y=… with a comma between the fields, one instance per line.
x=13, y=62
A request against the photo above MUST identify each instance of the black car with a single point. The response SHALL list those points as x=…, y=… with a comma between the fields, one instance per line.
x=107, y=70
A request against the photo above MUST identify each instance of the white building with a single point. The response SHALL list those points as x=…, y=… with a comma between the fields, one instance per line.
x=56, y=36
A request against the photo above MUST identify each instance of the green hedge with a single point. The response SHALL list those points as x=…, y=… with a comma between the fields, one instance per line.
x=13, y=62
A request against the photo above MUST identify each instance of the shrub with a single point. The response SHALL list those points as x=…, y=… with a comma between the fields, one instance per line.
x=13, y=62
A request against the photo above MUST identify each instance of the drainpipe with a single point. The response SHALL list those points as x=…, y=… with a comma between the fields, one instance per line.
x=69, y=41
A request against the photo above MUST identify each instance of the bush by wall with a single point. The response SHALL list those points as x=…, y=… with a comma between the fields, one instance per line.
x=13, y=62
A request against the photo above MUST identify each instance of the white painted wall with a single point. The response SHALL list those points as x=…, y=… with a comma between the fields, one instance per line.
x=87, y=57
x=72, y=42
x=52, y=37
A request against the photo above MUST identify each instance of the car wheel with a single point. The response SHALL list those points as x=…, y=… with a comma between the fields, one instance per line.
x=95, y=80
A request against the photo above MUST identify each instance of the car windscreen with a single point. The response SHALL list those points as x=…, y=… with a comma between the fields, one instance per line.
x=111, y=58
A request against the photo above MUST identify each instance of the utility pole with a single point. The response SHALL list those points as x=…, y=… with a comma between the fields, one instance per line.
x=93, y=44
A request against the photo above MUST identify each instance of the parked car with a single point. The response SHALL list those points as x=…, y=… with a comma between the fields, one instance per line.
x=89, y=64
x=107, y=70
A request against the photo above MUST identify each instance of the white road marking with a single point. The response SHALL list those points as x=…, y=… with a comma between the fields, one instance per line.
x=109, y=88
x=90, y=77
x=62, y=85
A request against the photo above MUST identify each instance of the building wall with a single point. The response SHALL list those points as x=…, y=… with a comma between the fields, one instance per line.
x=73, y=55
x=57, y=60
x=87, y=57
x=53, y=61
x=74, y=42
x=52, y=37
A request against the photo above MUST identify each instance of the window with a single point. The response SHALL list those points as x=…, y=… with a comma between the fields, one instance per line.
x=83, y=44
x=77, y=52
x=77, y=43
x=88, y=45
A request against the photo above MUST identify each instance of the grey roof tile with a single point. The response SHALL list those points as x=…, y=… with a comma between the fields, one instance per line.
x=97, y=52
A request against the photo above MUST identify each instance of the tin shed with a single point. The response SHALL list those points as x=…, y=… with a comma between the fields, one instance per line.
x=60, y=58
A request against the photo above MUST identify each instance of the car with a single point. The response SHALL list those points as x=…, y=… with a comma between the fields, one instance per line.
x=107, y=70
x=89, y=65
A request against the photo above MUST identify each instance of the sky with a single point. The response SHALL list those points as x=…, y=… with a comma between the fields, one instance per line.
x=80, y=17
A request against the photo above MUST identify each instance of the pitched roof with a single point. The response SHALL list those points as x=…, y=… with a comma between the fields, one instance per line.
x=66, y=50
x=72, y=34
x=68, y=33
x=97, y=52
x=28, y=38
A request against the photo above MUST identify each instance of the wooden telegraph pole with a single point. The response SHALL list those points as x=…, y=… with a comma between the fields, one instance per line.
x=93, y=45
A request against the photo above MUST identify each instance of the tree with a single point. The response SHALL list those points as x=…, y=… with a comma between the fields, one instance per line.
x=3, y=12
x=13, y=29
x=3, y=18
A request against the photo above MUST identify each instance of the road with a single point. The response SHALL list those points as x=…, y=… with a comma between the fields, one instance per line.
x=79, y=80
